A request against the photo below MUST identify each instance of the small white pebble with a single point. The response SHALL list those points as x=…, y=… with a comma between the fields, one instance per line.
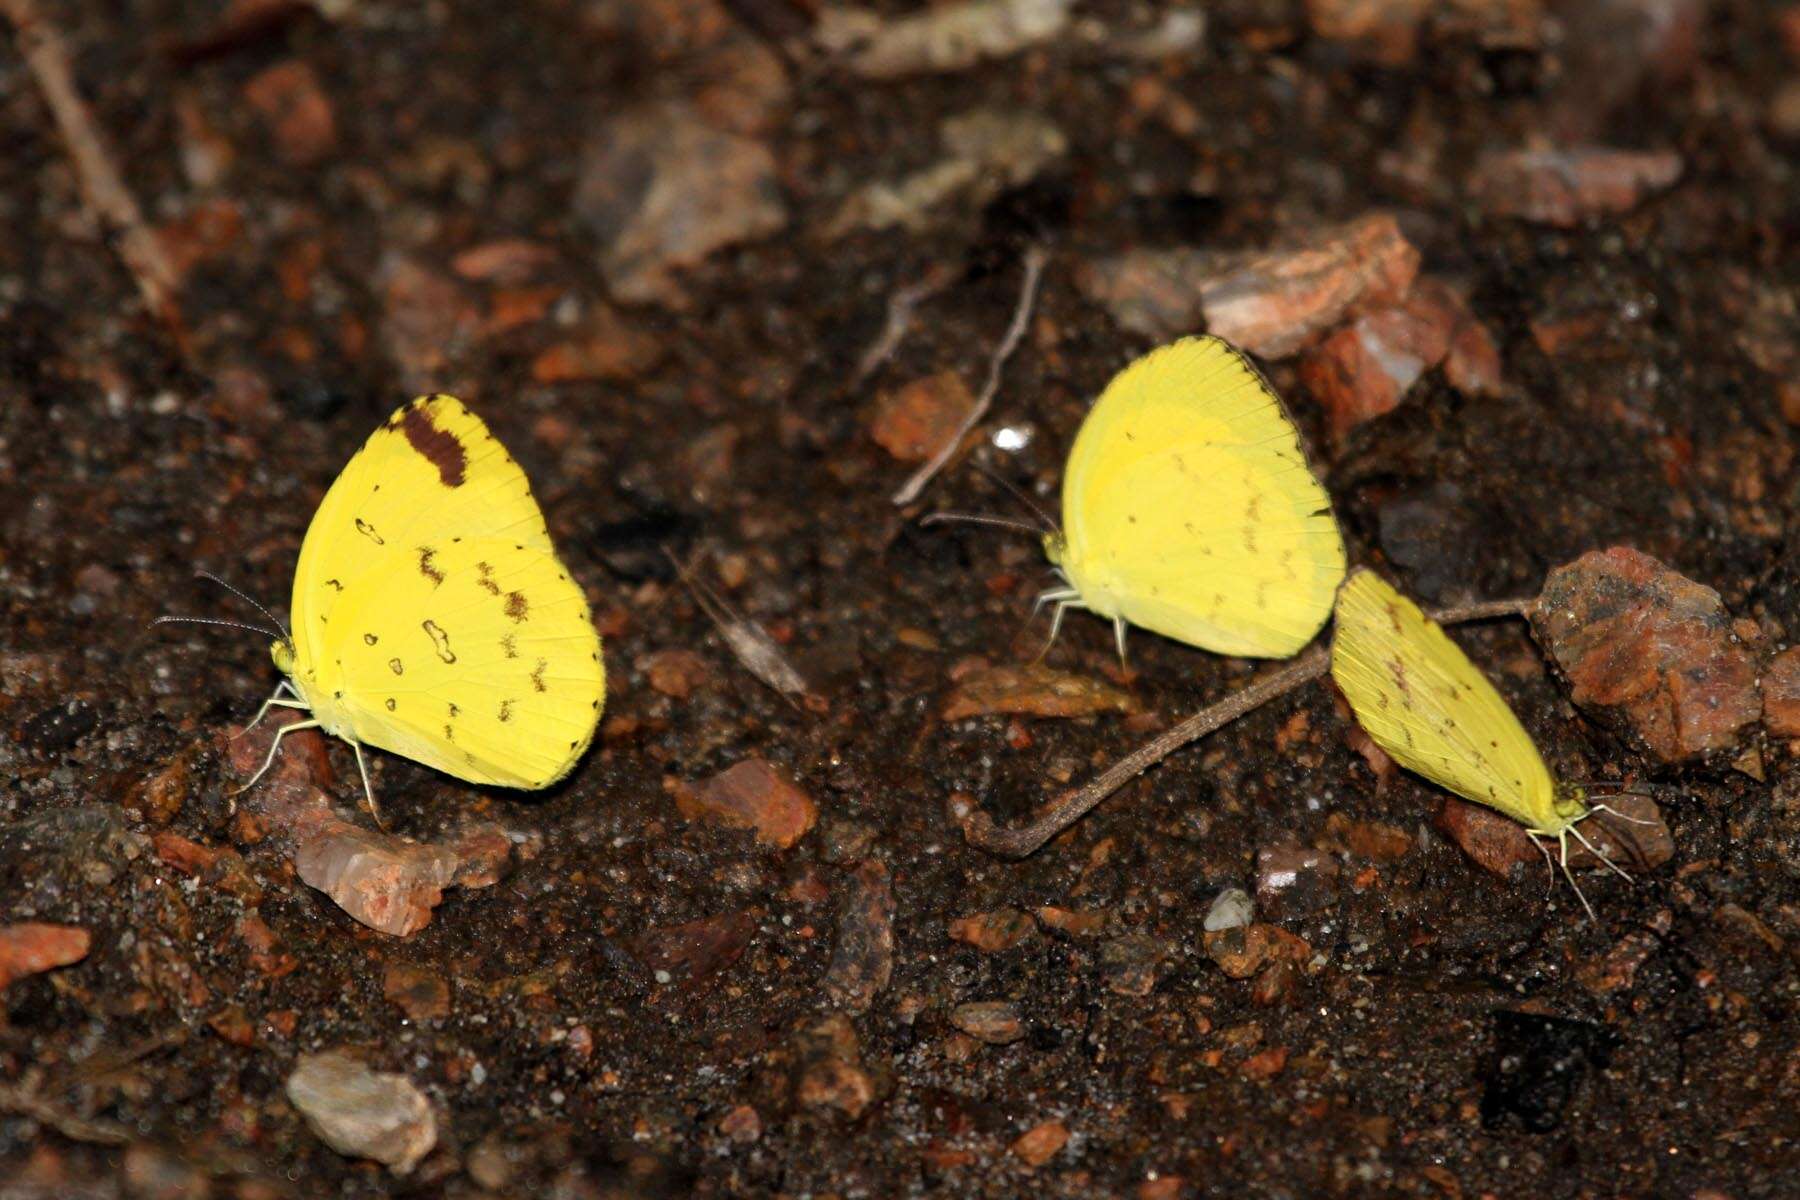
x=1231, y=909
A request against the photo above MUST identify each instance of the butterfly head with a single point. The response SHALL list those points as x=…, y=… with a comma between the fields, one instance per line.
x=1055, y=546
x=282, y=651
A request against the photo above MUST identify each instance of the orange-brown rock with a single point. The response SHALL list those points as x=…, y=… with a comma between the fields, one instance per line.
x=1650, y=652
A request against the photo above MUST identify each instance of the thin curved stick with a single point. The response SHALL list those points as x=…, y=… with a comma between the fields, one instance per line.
x=980, y=831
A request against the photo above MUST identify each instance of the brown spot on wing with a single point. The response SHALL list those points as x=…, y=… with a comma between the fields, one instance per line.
x=508, y=646
x=441, y=640
x=439, y=447
x=426, y=554
x=516, y=607
x=505, y=710
x=537, y=675
x=368, y=531
x=396, y=666
x=484, y=575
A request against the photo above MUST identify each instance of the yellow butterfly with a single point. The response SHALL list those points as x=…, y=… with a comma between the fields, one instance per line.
x=1420, y=698
x=1189, y=509
x=432, y=617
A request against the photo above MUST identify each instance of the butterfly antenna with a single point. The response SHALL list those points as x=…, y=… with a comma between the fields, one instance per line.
x=939, y=518
x=215, y=621
x=250, y=600
x=1020, y=494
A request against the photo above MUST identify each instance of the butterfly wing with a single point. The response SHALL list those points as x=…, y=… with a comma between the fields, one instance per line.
x=1417, y=694
x=1189, y=508
x=430, y=471
x=486, y=667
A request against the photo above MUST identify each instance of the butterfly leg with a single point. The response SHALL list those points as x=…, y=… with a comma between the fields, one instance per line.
x=1562, y=841
x=274, y=746
x=1595, y=851
x=362, y=768
x=1056, y=617
x=1119, y=640
x=274, y=701
x=1053, y=596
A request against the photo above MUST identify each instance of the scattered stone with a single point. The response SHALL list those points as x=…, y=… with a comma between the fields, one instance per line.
x=266, y=956
x=1366, y=839
x=831, y=1074
x=428, y=321
x=1619, y=965
x=1292, y=880
x=1499, y=845
x=1242, y=951
x=149, y=1173
x=388, y=884
x=1384, y=32
x=207, y=233
x=1270, y=302
x=1634, y=834
x=862, y=953
x=1649, y=652
x=677, y=674
x=232, y=1024
x=1232, y=908
x=32, y=947
x=1746, y=930
x=843, y=842
x=290, y=101
x=986, y=152
x=992, y=932
x=1131, y=963
x=1036, y=691
x=914, y=421
x=1041, y=1143
x=605, y=346
x=1074, y=921
x=219, y=867
x=752, y=795
x=1265, y=1064
x=692, y=951
x=1568, y=186
x=362, y=1113
x=421, y=993
x=996, y=1022
x=1781, y=693
x=941, y=39
x=506, y=261
x=157, y=799
x=662, y=189
x=46, y=857
x=742, y=1125
x=1275, y=984
x=1366, y=367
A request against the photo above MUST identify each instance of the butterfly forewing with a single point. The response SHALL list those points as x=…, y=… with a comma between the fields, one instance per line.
x=1420, y=698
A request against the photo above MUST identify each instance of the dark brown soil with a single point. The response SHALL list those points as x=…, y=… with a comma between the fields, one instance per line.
x=1450, y=1035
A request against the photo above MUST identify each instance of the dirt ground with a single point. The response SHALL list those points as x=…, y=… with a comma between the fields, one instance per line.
x=361, y=200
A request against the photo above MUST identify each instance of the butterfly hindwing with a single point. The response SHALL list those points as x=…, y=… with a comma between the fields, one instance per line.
x=432, y=616
x=1189, y=508
x=485, y=666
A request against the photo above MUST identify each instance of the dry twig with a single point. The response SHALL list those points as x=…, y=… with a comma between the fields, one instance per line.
x=22, y=1099
x=982, y=833
x=901, y=306
x=753, y=647
x=102, y=186
x=1035, y=258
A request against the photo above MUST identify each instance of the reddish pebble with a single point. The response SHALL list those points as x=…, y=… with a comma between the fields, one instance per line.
x=1041, y=1143
x=752, y=795
x=1498, y=844
x=742, y=1125
x=992, y=932
x=1650, y=652
x=1781, y=693
x=507, y=260
x=1035, y=691
x=1266, y=1064
x=31, y=947
x=675, y=673
x=421, y=993
x=290, y=101
x=918, y=419
x=1567, y=186
x=606, y=346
